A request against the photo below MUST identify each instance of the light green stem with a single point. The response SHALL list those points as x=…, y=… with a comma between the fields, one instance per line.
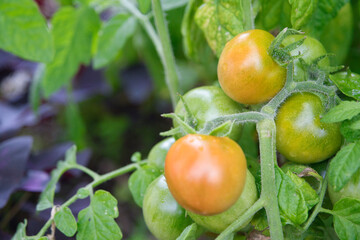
x=171, y=75
x=267, y=140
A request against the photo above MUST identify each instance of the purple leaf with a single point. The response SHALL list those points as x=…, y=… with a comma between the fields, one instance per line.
x=14, y=154
x=35, y=181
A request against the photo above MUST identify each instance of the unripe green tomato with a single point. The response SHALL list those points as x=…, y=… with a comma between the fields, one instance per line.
x=219, y=222
x=351, y=189
x=300, y=136
x=309, y=51
x=158, y=153
x=164, y=217
x=207, y=103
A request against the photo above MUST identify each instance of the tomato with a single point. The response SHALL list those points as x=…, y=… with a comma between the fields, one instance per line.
x=246, y=72
x=218, y=223
x=207, y=103
x=351, y=189
x=158, y=153
x=205, y=174
x=300, y=136
x=309, y=51
x=164, y=217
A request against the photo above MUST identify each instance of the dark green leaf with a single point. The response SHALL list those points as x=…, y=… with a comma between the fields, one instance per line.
x=65, y=221
x=24, y=31
x=96, y=222
x=248, y=140
x=292, y=203
x=73, y=32
x=75, y=125
x=20, y=231
x=345, y=110
x=47, y=196
x=220, y=21
x=112, y=38
x=347, y=219
x=350, y=129
x=301, y=11
x=325, y=11
x=35, y=88
x=344, y=165
x=144, y=6
x=348, y=83
x=259, y=221
x=140, y=180
x=273, y=13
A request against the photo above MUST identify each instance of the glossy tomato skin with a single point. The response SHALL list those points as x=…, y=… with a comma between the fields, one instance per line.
x=205, y=174
x=309, y=51
x=219, y=222
x=351, y=189
x=207, y=103
x=300, y=136
x=246, y=72
x=158, y=153
x=164, y=217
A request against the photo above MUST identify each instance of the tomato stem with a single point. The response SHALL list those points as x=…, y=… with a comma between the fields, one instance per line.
x=267, y=141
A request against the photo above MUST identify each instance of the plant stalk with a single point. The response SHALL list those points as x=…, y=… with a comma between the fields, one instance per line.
x=171, y=75
x=267, y=141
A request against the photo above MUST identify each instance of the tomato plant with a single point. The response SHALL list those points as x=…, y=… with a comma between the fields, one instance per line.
x=164, y=217
x=158, y=153
x=205, y=174
x=207, y=103
x=351, y=189
x=246, y=71
x=301, y=137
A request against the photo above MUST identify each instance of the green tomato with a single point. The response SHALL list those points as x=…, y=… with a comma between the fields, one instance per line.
x=351, y=189
x=158, y=153
x=207, y=103
x=219, y=222
x=309, y=51
x=164, y=217
x=300, y=136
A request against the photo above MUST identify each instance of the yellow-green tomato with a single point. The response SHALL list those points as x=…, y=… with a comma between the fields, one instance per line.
x=208, y=103
x=351, y=189
x=164, y=217
x=300, y=136
x=309, y=51
x=219, y=222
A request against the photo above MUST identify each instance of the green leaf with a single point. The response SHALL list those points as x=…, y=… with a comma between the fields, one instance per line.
x=136, y=157
x=75, y=125
x=292, y=204
x=345, y=110
x=112, y=38
x=83, y=193
x=144, y=6
x=223, y=130
x=273, y=13
x=20, y=231
x=350, y=129
x=344, y=165
x=140, y=180
x=195, y=45
x=348, y=83
x=96, y=222
x=259, y=221
x=325, y=11
x=346, y=219
x=73, y=32
x=310, y=196
x=65, y=221
x=172, y=4
x=35, y=88
x=24, y=31
x=220, y=20
x=301, y=11
x=47, y=196
x=191, y=232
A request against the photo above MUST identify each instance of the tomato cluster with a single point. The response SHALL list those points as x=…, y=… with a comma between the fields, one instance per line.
x=206, y=179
